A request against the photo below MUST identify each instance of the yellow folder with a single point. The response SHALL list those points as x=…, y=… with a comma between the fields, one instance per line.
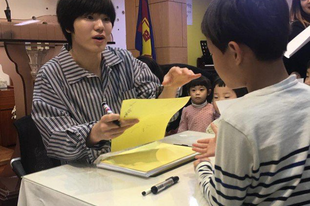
x=153, y=115
x=149, y=159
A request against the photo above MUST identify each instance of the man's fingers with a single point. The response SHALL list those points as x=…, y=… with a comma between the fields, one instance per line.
x=129, y=122
x=203, y=141
x=200, y=145
x=200, y=150
x=202, y=156
x=214, y=128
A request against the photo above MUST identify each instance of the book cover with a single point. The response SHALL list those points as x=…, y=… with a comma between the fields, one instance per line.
x=147, y=160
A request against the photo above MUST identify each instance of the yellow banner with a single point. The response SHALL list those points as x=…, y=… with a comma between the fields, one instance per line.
x=146, y=36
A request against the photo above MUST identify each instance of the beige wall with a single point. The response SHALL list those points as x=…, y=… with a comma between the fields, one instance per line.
x=194, y=34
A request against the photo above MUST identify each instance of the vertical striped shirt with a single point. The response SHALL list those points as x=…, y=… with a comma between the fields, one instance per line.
x=262, y=152
x=67, y=100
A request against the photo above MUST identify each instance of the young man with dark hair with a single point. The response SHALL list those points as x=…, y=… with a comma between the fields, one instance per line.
x=71, y=89
x=262, y=143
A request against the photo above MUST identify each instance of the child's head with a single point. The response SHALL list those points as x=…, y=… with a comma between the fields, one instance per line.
x=299, y=11
x=307, y=80
x=69, y=10
x=199, y=89
x=221, y=92
x=237, y=27
x=262, y=25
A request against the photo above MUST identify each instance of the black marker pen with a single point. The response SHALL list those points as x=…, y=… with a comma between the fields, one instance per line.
x=164, y=185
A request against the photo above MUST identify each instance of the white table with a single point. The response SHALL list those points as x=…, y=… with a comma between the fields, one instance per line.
x=86, y=185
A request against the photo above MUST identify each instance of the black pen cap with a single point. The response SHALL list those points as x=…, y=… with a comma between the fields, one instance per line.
x=167, y=183
x=175, y=179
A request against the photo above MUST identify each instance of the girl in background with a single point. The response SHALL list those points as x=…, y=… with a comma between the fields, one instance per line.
x=198, y=115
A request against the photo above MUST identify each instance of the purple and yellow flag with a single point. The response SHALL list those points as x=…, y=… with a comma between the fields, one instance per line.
x=144, y=34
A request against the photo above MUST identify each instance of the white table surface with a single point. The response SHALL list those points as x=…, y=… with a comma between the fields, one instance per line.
x=76, y=185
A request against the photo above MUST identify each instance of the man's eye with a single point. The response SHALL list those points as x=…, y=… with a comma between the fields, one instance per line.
x=227, y=97
x=106, y=19
x=215, y=97
x=90, y=17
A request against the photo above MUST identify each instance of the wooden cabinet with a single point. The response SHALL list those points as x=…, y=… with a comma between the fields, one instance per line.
x=8, y=132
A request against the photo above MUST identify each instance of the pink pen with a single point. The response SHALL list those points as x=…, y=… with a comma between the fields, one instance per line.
x=109, y=111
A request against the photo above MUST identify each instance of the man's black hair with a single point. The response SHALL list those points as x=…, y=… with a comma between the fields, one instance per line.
x=69, y=10
x=262, y=25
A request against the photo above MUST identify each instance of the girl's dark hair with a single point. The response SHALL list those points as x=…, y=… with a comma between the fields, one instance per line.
x=297, y=13
x=152, y=64
x=262, y=25
x=69, y=10
x=201, y=81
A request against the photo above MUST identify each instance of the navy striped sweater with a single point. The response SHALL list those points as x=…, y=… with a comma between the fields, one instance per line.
x=262, y=155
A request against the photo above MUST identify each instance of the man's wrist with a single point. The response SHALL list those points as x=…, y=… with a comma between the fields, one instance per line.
x=168, y=92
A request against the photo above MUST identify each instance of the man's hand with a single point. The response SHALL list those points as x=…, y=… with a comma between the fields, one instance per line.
x=206, y=147
x=177, y=77
x=105, y=129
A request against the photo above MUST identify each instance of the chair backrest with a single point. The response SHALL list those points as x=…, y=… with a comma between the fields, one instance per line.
x=32, y=150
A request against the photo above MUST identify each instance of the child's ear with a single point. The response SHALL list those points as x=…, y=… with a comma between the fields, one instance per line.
x=209, y=92
x=235, y=49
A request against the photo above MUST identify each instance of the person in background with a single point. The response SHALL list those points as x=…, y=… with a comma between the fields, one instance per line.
x=154, y=67
x=222, y=92
x=263, y=139
x=307, y=79
x=71, y=89
x=300, y=19
x=198, y=115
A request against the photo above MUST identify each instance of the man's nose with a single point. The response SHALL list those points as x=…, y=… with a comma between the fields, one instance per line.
x=99, y=25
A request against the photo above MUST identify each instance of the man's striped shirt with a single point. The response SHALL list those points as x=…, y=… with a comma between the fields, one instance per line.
x=67, y=99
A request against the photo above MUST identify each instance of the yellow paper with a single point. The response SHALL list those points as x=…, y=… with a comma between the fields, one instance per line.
x=153, y=115
x=149, y=157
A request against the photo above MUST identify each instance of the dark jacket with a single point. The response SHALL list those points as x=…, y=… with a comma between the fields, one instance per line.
x=298, y=62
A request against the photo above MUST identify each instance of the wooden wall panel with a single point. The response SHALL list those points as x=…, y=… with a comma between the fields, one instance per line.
x=167, y=24
x=184, y=25
x=169, y=28
x=131, y=22
x=171, y=55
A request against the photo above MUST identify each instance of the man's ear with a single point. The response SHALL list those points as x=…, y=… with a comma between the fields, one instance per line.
x=236, y=50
